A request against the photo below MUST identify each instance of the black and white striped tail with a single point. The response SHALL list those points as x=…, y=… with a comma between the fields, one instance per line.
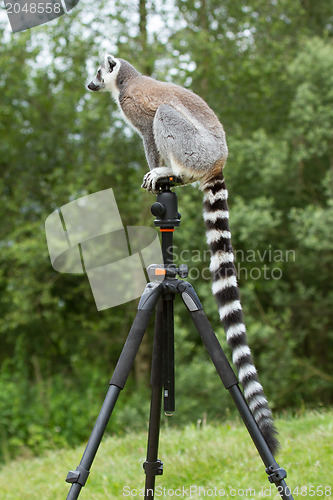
x=226, y=292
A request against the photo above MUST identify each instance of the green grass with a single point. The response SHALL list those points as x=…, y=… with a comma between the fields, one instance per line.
x=214, y=456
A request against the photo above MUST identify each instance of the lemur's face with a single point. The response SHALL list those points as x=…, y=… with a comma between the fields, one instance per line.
x=105, y=79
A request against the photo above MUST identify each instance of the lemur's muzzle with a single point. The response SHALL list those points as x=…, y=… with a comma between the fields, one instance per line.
x=93, y=86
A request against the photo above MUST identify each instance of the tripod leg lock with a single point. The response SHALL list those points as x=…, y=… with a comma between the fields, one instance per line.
x=80, y=475
x=189, y=296
x=275, y=473
x=153, y=468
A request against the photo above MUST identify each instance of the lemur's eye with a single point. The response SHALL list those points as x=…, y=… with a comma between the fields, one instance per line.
x=99, y=74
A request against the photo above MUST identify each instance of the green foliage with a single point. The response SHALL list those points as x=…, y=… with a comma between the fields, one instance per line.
x=266, y=69
x=47, y=415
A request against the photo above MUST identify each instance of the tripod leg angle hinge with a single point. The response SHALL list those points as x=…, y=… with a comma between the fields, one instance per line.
x=275, y=473
x=189, y=296
x=153, y=468
x=80, y=475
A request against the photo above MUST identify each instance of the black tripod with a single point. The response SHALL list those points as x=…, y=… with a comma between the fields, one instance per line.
x=161, y=294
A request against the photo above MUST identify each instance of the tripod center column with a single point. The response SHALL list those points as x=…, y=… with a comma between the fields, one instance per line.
x=167, y=217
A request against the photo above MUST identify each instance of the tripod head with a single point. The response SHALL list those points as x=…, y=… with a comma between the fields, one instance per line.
x=167, y=216
x=165, y=208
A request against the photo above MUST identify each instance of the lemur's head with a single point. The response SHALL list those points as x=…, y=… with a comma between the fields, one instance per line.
x=105, y=79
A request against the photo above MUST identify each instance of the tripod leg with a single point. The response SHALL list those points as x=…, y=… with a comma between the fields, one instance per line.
x=79, y=477
x=275, y=473
x=147, y=303
x=153, y=466
x=168, y=354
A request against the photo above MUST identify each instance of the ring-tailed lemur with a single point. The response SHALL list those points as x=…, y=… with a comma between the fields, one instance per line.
x=180, y=130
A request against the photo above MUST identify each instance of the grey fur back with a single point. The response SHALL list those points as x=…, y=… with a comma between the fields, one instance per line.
x=185, y=143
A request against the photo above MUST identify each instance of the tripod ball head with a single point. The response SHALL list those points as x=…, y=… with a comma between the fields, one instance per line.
x=165, y=208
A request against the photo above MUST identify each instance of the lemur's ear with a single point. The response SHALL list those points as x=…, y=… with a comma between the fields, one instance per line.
x=110, y=63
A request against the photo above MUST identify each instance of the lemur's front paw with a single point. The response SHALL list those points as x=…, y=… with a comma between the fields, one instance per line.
x=148, y=182
x=151, y=179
